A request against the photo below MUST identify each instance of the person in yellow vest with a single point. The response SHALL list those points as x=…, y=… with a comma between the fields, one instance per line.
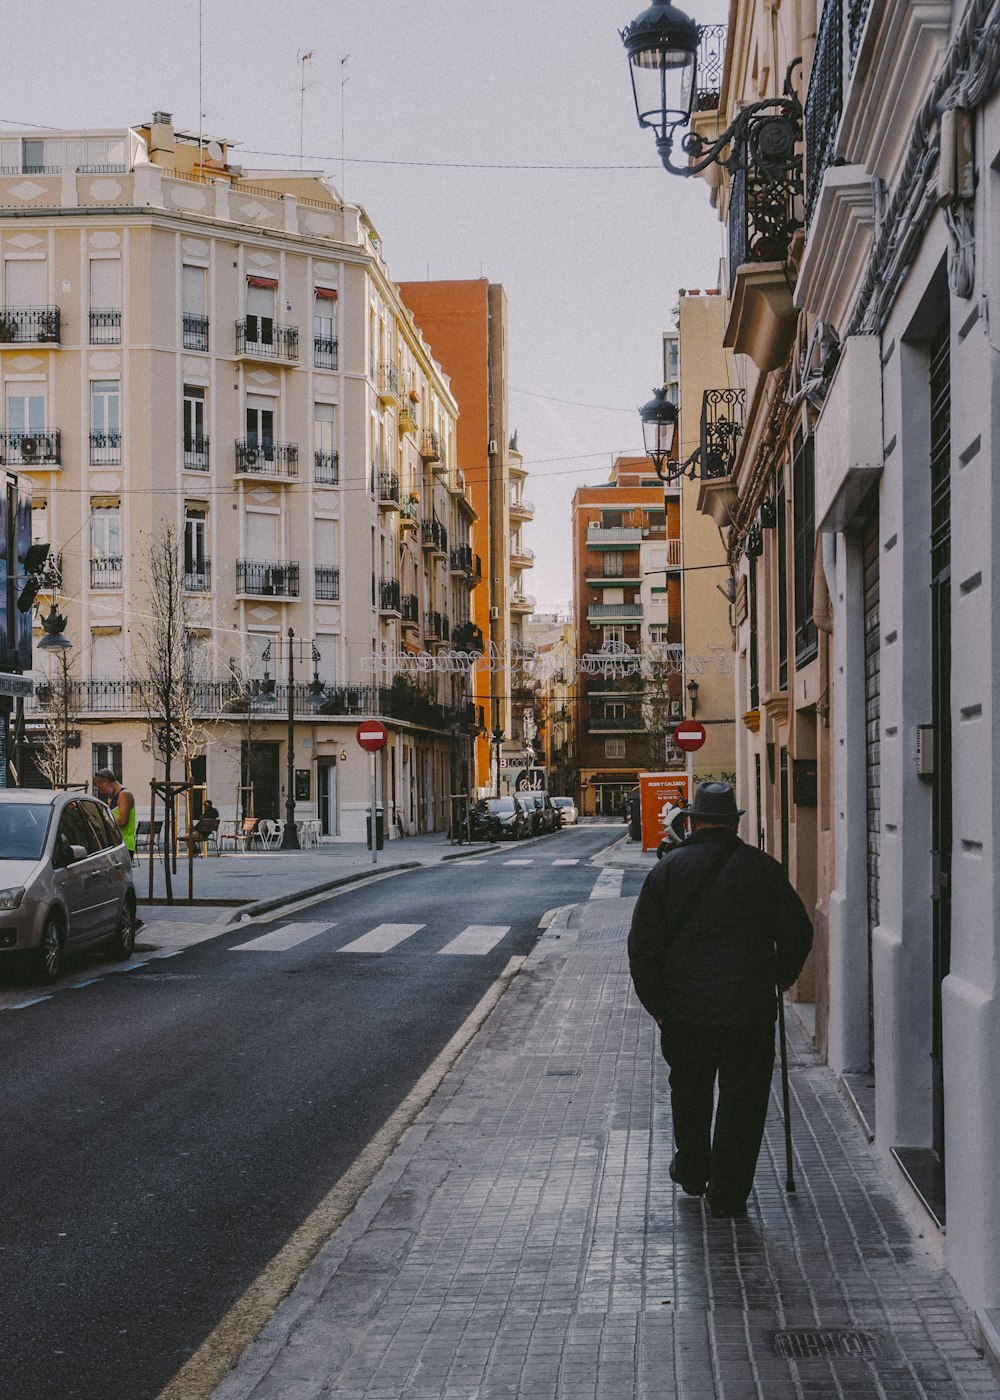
x=121, y=802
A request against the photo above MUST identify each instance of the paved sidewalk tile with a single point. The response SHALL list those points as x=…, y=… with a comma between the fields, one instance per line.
x=526, y=1241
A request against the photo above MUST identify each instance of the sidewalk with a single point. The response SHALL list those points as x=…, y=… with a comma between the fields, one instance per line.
x=524, y=1239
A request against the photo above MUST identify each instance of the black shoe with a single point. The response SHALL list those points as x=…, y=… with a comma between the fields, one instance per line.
x=728, y=1210
x=690, y=1188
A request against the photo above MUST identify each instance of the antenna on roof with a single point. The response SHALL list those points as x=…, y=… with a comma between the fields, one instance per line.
x=344, y=80
x=303, y=58
x=201, y=114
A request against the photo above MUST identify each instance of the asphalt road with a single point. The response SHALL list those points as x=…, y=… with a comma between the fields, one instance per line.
x=166, y=1129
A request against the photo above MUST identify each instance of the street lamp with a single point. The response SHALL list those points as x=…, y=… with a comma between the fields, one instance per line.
x=290, y=835
x=692, y=690
x=662, y=46
x=54, y=626
x=498, y=738
x=659, y=428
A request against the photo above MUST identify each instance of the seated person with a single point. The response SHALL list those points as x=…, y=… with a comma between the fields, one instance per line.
x=204, y=827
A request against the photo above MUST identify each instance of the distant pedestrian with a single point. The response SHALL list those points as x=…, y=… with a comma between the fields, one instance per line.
x=121, y=802
x=716, y=928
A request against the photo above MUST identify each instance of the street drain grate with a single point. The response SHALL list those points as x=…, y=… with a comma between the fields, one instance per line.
x=826, y=1344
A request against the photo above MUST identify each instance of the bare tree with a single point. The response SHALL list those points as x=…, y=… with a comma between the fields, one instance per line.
x=60, y=698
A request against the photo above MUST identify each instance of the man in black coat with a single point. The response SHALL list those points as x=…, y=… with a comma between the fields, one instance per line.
x=716, y=928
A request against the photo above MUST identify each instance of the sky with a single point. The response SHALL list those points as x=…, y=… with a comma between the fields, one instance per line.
x=494, y=139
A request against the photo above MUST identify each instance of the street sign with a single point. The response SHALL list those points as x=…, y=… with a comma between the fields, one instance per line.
x=689, y=735
x=372, y=735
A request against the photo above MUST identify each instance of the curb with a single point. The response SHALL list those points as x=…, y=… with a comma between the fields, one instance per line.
x=988, y=1333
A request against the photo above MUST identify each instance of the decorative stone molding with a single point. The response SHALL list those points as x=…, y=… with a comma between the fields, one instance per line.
x=776, y=705
x=849, y=440
x=752, y=720
x=762, y=315
x=717, y=499
x=837, y=248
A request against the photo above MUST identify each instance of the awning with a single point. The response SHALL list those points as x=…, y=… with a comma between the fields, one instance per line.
x=254, y=281
x=324, y=293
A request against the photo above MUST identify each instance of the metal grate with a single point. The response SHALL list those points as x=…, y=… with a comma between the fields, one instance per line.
x=826, y=1344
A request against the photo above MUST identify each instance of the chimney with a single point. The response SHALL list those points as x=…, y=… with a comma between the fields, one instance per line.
x=161, y=136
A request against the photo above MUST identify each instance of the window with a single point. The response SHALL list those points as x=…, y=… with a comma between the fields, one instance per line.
x=105, y=302
x=753, y=646
x=326, y=460
x=324, y=328
x=803, y=547
x=659, y=633
x=612, y=519
x=195, y=319
x=656, y=519
x=106, y=756
x=195, y=441
x=105, y=657
x=24, y=282
x=105, y=422
x=614, y=564
x=614, y=710
x=196, y=566
x=26, y=411
x=262, y=536
x=614, y=748
x=260, y=310
x=105, y=547
x=614, y=638
x=782, y=563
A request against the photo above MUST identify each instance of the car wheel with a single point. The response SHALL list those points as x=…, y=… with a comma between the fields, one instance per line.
x=49, y=958
x=121, y=944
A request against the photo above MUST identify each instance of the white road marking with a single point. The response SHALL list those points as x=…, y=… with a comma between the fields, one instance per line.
x=566, y=862
x=19, y=1006
x=381, y=938
x=529, y=861
x=608, y=885
x=281, y=939
x=472, y=860
x=477, y=938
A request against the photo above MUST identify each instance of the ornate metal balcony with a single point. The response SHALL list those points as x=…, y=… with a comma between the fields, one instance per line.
x=435, y=536
x=324, y=352
x=326, y=468
x=825, y=99
x=106, y=326
x=266, y=579
x=411, y=610
x=763, y=217
x=711, y=60
x=430, y=445
x=106, y=571
x=721, y=427
x=105, y=449
x=195, y=453
x=389, y=596
x=467, y=637
x=462, y=560
x=435, y=626
x=198, y=579
x=30, y=449
x=328, y=585
x=388, y=383
x=388, y=490
x=271, y=459
x=31, y=324
x=857, y=14
x=258, y=338
x=194, y=332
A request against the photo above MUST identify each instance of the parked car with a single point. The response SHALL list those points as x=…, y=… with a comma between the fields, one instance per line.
x=494, y=818
x=567, y=810
x=65, y=879
x=544, y=816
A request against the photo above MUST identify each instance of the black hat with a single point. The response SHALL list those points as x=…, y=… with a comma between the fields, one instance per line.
x=714, y=800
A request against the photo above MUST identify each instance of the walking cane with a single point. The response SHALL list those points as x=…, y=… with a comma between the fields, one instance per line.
x=789, y=1177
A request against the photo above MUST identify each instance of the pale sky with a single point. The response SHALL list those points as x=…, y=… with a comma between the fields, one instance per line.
x=591, y=260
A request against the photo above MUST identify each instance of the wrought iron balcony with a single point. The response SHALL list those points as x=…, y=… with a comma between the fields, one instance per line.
x=106, y=571
x=29, y=324
x=408, y=517
x=388, y=490
x=105, y=449
x=106, y=326
x=522, y=603
x=324, y=352
x=711, y=60
x=411, y=610
x=272, y=459
x=258, y=338
x=857, y=14
x=30, y=449
x=824, y=104
x=462, y=559
x=389, y=595
x=326, y=468
x=763, y=217
x=195, y=453
x=436, y=626
x=266, y=579
x=721, y=428
x=467, y=637
x=435, y=536
x=603, y=724
x=407, y=418
x=430, y=445
x=198, y=576
x=194, y=332
x=523, y=509
x=388, y=383
x=328, y=585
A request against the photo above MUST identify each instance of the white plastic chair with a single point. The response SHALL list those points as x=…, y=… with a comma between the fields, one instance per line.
x=268, y=833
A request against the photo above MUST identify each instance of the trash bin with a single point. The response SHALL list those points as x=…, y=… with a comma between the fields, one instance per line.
x=634, y=816
x=379, y=828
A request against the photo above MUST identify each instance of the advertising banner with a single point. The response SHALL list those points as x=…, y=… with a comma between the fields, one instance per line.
x=658, y=792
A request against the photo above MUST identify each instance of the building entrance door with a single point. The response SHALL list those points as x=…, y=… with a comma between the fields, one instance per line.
x=326, y=786
x=259, y=770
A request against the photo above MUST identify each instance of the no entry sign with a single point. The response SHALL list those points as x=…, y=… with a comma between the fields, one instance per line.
x=689, y=735
x=371, y=735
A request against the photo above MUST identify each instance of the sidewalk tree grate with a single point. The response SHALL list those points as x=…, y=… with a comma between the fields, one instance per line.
x=826, y=1344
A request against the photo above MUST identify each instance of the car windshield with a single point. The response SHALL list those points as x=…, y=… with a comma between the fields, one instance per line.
x=562, y=802
x=23, y=828
x=501, y=804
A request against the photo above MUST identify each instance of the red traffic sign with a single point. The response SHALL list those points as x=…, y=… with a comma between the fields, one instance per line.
x=371, y=735
x=689, y=735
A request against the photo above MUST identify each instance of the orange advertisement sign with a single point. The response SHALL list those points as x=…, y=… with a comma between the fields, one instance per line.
x=658, y=792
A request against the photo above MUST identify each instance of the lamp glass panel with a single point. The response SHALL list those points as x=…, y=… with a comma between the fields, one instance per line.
x=663, y=83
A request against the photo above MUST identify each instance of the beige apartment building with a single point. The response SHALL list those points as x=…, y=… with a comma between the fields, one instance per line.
x=186, y=346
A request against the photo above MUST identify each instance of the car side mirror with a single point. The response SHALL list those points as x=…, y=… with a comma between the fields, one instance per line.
x=77, y=853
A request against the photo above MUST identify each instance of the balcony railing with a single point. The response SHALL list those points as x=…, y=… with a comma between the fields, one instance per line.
x=105, y=449
x=436, y=626
x=389, y=595
x=467, y=637
x=614, y=612
x=462, y=559
x=435, y=536
x=106, y=326
x=195, y=453
x=31, y=324
x=763, y=216
x=825, y=100
x=198, y=579
x=328, y=585
x=411, y=609
x=711, y=60
x=267, y=580
x=522, y=602
x=258, y=338
x=388, y=382
x=30, y=449
x=388, y=489
x=271, y=459
x=106, y=571
x=326, y=468
x=615, y=536
x=519, y=506
x=430, y=445
x=857, y=14
x=721, y=429
x=324, y=352
x=603, y=724
x=194, y=332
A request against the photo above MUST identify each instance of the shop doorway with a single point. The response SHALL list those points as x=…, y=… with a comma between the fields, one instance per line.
x=259, y=772
x=326, y=795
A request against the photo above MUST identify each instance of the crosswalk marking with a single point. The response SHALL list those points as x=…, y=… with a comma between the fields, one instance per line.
x=477, y=938
x=381, y=938
x=478, y=860
x=280, y=939
x=608, y=885
x=566, y=862
x=529, y=861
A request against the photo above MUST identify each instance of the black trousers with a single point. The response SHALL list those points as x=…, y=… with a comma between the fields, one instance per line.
x=742, y=1058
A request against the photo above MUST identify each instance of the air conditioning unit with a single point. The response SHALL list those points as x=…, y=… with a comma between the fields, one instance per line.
x=493, y=445
x=30, y=449
x=494, y=614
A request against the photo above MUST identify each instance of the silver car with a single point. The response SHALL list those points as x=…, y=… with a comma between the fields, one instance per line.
x=65, y=879
x=566, y=808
